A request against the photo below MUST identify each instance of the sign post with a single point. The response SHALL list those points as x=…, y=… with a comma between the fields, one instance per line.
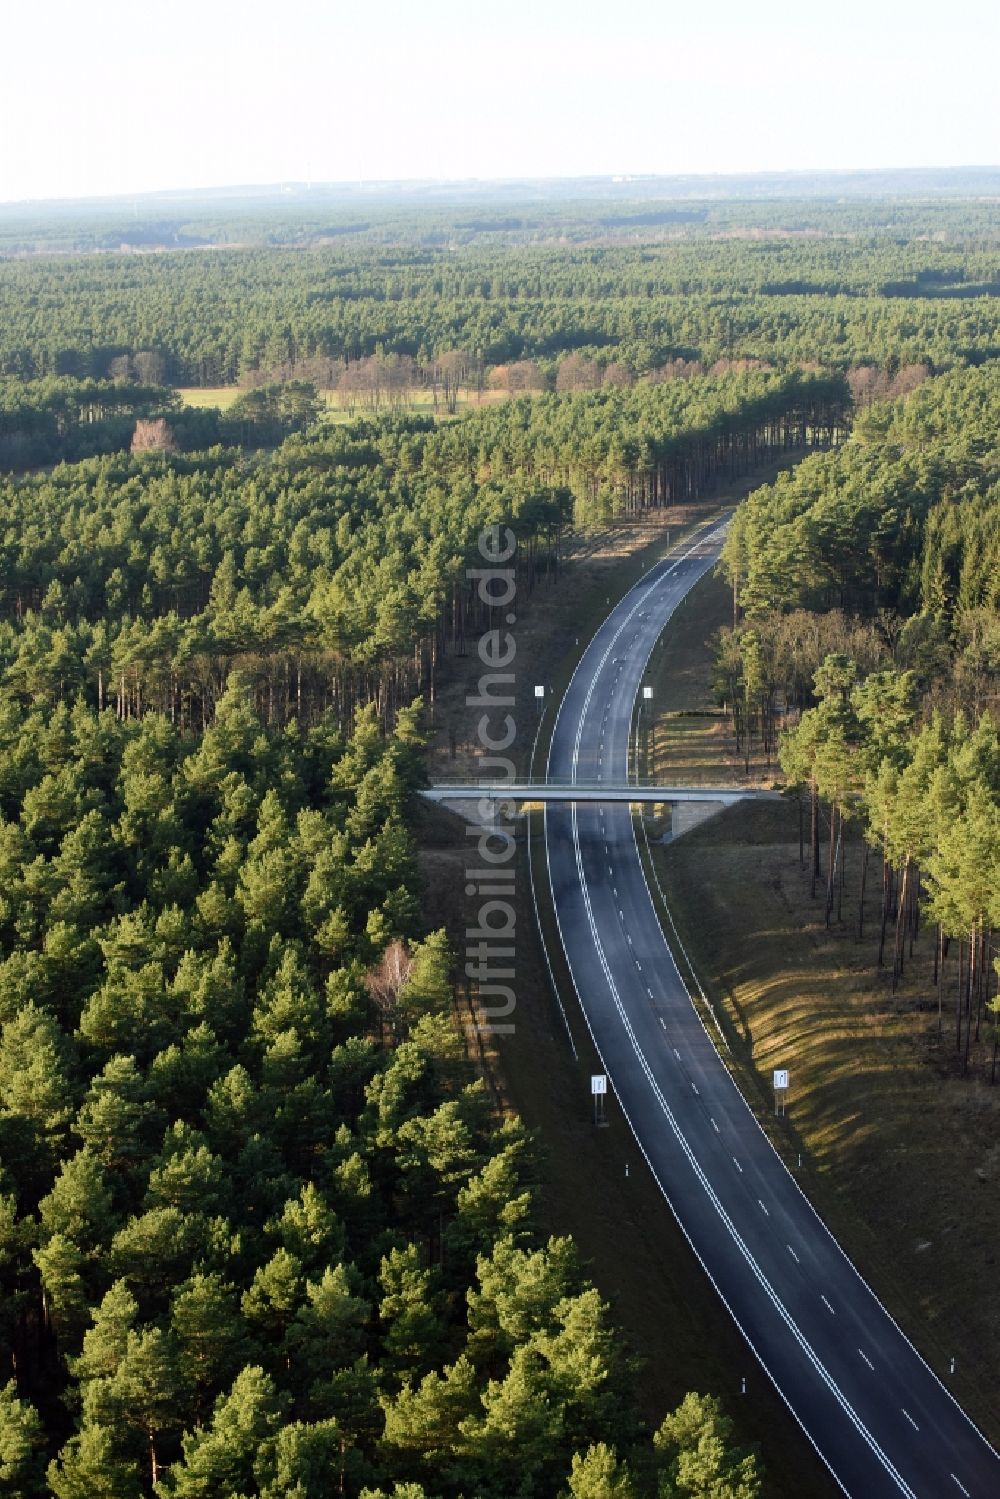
x=599, y=1088
x=780, y=1090
x=647, y=697
x=540, y=710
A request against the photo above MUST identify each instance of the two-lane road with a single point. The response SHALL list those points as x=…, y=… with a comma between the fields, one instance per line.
x=880, y=1419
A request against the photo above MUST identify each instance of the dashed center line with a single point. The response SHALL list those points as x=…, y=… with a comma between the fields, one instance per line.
x=677, y=1054
x=715, y=1126
x=694, y=1089
x=866, y=1358
x=737, y=1165
x=828, y=1306
x=763, y=1208
x=961, y=1485
x=794, y=1256
x=909, y=1418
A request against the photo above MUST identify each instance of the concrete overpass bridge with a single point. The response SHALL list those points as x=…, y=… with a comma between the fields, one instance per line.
x=550, y=790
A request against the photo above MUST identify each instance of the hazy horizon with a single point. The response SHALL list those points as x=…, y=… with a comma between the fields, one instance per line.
x=126, y=102
x=678, y=186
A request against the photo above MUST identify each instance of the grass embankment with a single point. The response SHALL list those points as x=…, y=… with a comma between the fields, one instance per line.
x=900, y=1153
x=635, y=1252
x=690, y=741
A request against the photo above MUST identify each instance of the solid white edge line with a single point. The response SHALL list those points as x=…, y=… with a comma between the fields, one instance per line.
x=713, y=1197
x=738, y=1091
x=666, y=1196
x=797, y=1185
x=541, y=935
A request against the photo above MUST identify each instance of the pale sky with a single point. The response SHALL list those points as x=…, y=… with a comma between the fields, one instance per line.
x=123, y=96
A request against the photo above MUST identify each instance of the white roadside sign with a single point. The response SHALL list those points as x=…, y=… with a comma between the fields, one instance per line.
x=598, y=1083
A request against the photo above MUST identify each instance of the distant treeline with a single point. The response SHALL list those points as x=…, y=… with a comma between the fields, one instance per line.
x=221, y=318
x=951, y=204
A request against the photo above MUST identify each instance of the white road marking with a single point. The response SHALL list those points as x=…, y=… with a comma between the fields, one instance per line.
x=694, y=1090
x=763, y=1209
x=960, y=1484
x=909, y=1418
x=794, y=1256
x=715, y=1126
x=677, y=1054
x=737, y=1165
x=866, y=1359
x=827, y=1305
x=730, y=1227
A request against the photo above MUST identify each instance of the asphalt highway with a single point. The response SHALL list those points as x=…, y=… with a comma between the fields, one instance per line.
x=881, y=1420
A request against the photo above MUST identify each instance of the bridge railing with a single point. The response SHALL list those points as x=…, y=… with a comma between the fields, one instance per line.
x=565, y=789
x=524, y=784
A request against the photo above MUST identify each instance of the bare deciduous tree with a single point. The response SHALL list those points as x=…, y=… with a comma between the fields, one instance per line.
x=908, y=378
x=155, y=433
x=150, y=367
x=386, y=981
x=517, y=377
x=617, y=374
x=576, y=372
